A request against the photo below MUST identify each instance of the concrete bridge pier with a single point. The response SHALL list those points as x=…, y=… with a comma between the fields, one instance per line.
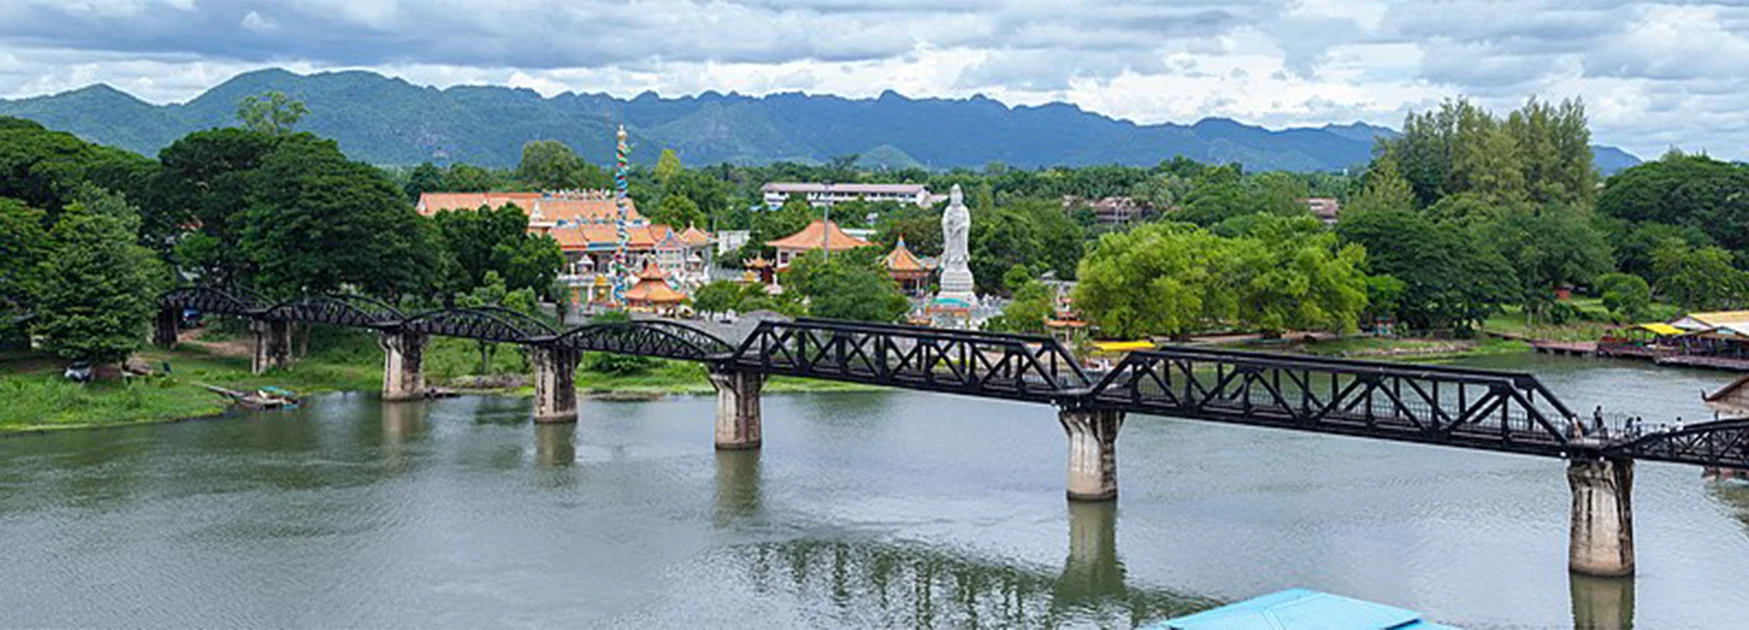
x=1092, y=452
x=403, y=365
x=737, y=408
x=166, y=327
x=1601, y=542
x=272, y=345
x=555, y=386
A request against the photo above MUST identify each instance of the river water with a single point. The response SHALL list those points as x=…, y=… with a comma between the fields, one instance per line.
x=863, y=509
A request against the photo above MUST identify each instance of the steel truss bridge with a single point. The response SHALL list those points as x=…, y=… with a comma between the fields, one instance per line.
x=1448, y=406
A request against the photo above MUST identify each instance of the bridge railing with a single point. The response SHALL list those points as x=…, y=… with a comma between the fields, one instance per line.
x=1436, y=404
x=1720, y=443
x=1021, y=367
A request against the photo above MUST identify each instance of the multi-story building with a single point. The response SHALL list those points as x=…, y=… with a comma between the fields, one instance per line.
x=826, y=195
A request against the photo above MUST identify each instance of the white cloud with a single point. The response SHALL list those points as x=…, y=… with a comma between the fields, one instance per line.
x=1653, y=74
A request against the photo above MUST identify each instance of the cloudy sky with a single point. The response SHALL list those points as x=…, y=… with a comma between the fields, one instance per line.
x=1654, y=74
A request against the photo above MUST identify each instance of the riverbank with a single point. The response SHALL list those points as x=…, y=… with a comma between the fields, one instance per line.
x=1386, y=348
x=39, y=399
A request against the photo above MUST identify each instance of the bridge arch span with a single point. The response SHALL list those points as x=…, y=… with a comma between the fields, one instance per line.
x=656, y=338
x=336, y=309
x=484, y=323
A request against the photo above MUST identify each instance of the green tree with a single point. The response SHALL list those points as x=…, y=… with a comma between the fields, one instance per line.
x=551, y=165
x=271, y=113
x=667, y=167
x=1385, y=188
x=425, y=178
x=24, y=245
x=470, y=178
x=678, y=211
x=1547, y=250
x=1699, y=278
x=205, y=181
x=1027, y=312
x=1160, y=278
x=317, y=222
x=45, y=168
x=1684, y=190
x=717, y=297
x=1448, y=279
x=496, y=241
x=1290, y=275
x=851, y=285
x=1626, y=295
x=98, y=290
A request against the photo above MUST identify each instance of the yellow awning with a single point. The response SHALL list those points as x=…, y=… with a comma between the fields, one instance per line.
x=1661, y=329
x=1123, y=346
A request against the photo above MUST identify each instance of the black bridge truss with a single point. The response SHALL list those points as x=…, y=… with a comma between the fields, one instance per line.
x=1017, y=367
x=1449, y=406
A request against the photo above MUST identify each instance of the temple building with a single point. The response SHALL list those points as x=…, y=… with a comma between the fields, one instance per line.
x=818, y=235
x=584, y=222
x=652, y=292
x=911, y=272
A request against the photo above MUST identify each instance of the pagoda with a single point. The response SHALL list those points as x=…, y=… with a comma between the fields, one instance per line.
x=652, y=292
x=911, y=272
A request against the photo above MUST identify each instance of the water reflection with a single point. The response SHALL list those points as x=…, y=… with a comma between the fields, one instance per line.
x=874, y=583
x=555, y=445
x=737, y=485
x=403, y=421
x=1092, y=573
x=1602, y=603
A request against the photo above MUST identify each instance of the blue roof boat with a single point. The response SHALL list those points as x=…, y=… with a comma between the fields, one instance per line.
x=1301, y=609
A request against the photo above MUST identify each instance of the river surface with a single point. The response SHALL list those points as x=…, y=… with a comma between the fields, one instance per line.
x=863, y=509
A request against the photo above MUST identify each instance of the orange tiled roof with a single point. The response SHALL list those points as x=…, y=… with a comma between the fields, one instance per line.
x=652, y=288
x=600, y=235
x=432, y=203
x=810, y=237
x=650, y=272
x=571, y=207
x=757, y=262
x=901, y=259
x=695, y=237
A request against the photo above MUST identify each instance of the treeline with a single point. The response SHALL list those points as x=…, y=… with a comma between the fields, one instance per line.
x=92, y=234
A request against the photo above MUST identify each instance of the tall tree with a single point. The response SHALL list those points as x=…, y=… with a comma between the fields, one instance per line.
x=23, y=245
x=1448, y=279
x=271, y=113
x=851, y=286
x=551, y=165
x=1687, y=190
x=425, y=178
x=317, y=222
x=667, y=167
x=1547, y=250
x=98, y=291
x=1699, y=278
x=1160, y=278
x=1385, y=188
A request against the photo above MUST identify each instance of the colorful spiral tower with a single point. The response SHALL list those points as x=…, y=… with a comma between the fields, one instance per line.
x=621, y=273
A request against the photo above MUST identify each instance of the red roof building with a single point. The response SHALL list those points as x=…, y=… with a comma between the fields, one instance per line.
x=818, y=235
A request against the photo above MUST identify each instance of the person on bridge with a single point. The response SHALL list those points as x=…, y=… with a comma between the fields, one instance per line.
x=1597, y=422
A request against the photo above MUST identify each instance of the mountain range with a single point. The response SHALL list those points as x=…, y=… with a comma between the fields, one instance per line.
x=389, y=121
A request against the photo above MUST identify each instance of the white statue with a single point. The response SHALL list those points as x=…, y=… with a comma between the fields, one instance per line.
x=956, y=275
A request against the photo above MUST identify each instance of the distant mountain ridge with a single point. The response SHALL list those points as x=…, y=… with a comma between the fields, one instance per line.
x=387, y=120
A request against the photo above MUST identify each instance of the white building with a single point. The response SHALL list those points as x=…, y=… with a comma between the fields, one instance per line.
x=826, y=195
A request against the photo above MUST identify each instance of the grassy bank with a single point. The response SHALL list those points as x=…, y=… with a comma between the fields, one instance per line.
x=39, y=399
x=1388, y=349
